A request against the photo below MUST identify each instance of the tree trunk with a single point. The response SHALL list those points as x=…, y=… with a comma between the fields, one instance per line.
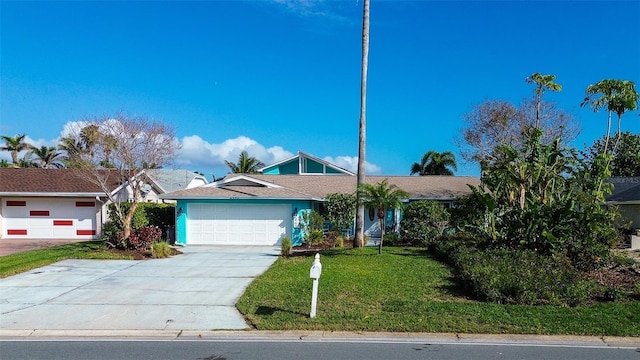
x=381, y=235
x=362, y=133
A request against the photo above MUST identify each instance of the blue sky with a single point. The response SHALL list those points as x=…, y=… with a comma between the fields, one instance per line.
x=275, y=77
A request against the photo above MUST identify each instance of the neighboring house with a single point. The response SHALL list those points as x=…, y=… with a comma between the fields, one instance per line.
x=161, y=181
x=626, y=195
x=51, y=204
x=260, y=209
x=66, y=204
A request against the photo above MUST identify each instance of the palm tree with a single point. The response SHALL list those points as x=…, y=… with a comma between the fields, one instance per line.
x=617, y=96
x=15, y=144
x=358, y=240
x=47, y=157
x=543, y=82
x=246, y=164
x=435, y=163
x=74, y=149
x=381, y=196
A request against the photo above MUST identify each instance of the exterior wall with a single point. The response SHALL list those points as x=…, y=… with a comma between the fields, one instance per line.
x=297, y=207
x=631, y=212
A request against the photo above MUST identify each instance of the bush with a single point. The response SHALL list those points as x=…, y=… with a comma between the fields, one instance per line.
x=141, y=239
x=391, y=239
x=422, y=222
x=522, y=277
x=160, y=250
x=286, y=246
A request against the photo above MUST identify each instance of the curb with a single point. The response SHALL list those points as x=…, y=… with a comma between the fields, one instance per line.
x=322, y=336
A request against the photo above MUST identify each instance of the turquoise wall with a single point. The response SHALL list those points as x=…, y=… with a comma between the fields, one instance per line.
x=297, y=206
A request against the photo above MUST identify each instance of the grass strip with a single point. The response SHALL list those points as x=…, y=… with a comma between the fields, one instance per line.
x=405, y=290
x=28, y=260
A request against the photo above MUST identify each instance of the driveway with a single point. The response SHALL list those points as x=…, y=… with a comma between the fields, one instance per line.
x=193, y=291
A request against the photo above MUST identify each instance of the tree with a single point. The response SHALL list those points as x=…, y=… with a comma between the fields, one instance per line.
x=626, y=156
x=358, y=240
x=340, y=209
x=617, y=96
x=15, y=144
x=47, y=157
x=543, y=82
x=435, y=163
x=493, y=123
x=74, y=150
x=381, y=196
x=120, y=146
x=246, y=164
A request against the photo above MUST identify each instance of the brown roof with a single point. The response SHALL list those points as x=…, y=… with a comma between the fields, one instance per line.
x=76, y=181
x=319, y=186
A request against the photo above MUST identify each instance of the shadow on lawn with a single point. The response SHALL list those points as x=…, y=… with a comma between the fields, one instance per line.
x=269, y=310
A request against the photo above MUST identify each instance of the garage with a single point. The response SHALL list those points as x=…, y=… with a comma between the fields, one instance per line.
x=231, y=224
x=42, y=218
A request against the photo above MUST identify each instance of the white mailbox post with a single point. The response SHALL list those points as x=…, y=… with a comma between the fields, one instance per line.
x=314, y=273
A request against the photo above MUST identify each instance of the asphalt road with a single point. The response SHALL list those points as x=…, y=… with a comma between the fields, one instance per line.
x=285, y=350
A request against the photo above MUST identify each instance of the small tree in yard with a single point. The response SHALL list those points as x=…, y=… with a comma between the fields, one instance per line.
x=124, y=145
x=381, y=196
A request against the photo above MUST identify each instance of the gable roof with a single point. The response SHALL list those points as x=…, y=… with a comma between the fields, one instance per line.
x=168, y=180
x=301, y=159
x=625, y=190
x=312, y=187
x=53, y=182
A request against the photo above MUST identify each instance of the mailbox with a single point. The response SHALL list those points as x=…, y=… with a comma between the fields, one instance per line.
x=316, y=268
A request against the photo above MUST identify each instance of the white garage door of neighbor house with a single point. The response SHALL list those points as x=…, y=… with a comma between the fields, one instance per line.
x=216, y=224
x=26, y=218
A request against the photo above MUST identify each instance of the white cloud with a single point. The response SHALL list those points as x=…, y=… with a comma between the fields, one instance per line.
x=351, y=163
x=196, y=152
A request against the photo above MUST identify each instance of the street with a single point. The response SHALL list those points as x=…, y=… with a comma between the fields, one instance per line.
x=200, y=349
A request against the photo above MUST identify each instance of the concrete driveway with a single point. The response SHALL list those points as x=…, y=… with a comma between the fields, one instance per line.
x=193, y=291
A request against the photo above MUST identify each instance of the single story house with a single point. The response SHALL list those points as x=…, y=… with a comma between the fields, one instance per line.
x=66, y=204
x=260, y=209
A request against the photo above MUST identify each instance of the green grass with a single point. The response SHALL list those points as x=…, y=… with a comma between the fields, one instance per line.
x=405, y=290
x=28, y=260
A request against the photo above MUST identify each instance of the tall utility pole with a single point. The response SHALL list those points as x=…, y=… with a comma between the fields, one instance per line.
x=362, y=138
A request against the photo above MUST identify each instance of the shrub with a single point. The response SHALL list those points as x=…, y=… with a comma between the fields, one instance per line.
x=160, y=250
x=423, y=221
x=391, y=238
x=141, y=239
x=522, y=277
x=110, y=235
x=339, y=243
x=312, y=225
x=286, y=246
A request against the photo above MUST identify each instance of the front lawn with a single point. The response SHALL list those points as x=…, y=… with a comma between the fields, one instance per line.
x=405, y=290
x=28, y=260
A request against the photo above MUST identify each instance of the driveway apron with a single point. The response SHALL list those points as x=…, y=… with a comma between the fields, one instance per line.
x=193, y=291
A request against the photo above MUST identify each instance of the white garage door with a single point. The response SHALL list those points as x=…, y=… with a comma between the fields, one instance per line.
x=217, y=224
x=34, y=218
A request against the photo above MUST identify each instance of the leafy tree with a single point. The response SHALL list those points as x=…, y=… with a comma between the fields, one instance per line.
x=74, y=149
x=617, y=96
x=47, y=157
x=358, y=240
x=312, y=226
x=340, y=209
x=435, y=163
x=423, y=221
x=246, y=164
x=542, y=82
x=124, y=145
x=15, y=144
x=381, y=196
x=542, y=197
x=626, y=156
x=493, y=123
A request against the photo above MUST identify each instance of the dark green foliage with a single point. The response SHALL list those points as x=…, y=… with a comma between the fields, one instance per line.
x=146, y=215
x=312, y=225
x=340, y=210
x=626, y=155
x=423, y=222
